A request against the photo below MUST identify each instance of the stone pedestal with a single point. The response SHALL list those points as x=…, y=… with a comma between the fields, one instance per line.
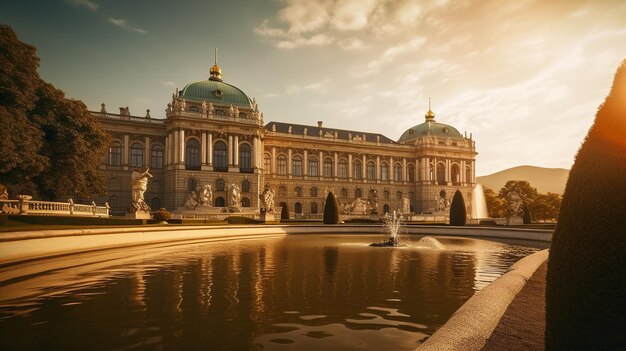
x=271, y=217
x=514, y=220
x=139, y=215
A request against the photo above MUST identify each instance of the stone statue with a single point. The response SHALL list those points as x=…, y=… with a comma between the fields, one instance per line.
x=199, y=197
x=210, y=108
x=204, y=107
x=231, y=111
x=267, y=199
x=234, y=198
x=139, y=183
x=236, y=112
x=4, y=193
x=514, y=204
x=406, y=205
x=183, y=105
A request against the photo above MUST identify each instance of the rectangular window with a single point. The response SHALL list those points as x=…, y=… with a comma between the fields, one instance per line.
x=313, y=168
x=343, y=170
x=156, y=158
x=328, y=169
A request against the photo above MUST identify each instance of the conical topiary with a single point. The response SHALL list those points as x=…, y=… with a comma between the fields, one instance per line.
x=458, y=212
x=331, y=210
x=284, y=212
x=586, y=282
x=528, y=218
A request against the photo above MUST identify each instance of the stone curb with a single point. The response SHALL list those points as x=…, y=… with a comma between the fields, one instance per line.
x=471, y=325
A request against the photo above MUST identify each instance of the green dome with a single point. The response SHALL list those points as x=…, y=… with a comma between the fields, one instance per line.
x=430, y=127
x=215, y=92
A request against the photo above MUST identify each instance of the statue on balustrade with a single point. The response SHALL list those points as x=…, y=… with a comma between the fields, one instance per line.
x=139, y=185
x=202, y=197
x=234, y=198
x=267, y=200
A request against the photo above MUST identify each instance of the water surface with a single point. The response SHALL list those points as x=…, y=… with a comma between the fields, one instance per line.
x=301, y=292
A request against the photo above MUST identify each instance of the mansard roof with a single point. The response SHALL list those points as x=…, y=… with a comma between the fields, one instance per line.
x=298, y=129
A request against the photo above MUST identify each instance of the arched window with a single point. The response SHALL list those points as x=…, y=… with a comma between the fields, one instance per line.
x=468, y=174
x=192, y=184
x=245, y=186
x=370, y=170
x=115, y=154
x=281, y=164
x=313, y=167
x=358, y=192
x=298, y=207
x=344, y=193
x=298, y=191
x=384, y=171
x=267, y=163
x=156, y=157
x=386, y=194
x=296, y=166
x=328, y=168
x=220, y=184
x=282, y=191
x=455, y=174
x=385, y=208
x=313, y=192
x=155, y=203
x=313, y=207
x=397, y=172
x=411, y=171
x=115, y=184
x=441, y=174
x=245, y=202
x=357, y=170
x=219, y=202
x=220, y=163
x=192, y=155
x=136, y=155
x=343, y=169
x=398, y=194
x=113, y=201
x=245, y=158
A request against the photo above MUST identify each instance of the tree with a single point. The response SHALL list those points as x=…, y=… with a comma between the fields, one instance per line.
x=331, y=209
x=458, y=212
x=284, y=211
x=586, y=280
x=50, y=145
x=545, y=207
x=522, y=187
x=495, y=205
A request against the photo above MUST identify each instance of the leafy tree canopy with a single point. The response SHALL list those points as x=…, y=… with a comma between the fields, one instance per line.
x=522, y=187
x=51, y=145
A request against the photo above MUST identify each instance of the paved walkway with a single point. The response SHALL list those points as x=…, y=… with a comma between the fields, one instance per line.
x=523, y=324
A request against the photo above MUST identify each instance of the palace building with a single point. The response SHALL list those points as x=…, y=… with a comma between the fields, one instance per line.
x=214, y=134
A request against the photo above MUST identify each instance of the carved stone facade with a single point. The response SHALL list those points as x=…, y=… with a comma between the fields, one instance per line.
x=214, y=135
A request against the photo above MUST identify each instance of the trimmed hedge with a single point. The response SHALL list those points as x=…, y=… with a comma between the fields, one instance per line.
x=76, y=220
x=284, y=212
x=331, y=209
x=458, y=212
x=241, y=220
x=586, y=281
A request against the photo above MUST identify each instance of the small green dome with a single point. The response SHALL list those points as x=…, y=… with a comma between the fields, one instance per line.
x=430, y=127
x=216, y=92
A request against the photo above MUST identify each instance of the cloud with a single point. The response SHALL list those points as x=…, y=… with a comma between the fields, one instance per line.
x=350, y=15
x=85, y=3
x=167, y=83
x=122, y=23
x=390, y=54
x=316, y=40
x=315, y=86
x=352, y=44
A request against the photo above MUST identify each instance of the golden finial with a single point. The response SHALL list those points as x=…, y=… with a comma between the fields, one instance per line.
x=430, y=115
x=215, y=71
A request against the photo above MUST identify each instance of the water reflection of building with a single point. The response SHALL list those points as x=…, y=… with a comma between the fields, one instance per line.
x=215, y=134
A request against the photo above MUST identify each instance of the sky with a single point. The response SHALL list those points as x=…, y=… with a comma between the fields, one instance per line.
x=524, y=77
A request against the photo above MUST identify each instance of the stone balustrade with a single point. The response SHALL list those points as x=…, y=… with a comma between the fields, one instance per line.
x=25, y=206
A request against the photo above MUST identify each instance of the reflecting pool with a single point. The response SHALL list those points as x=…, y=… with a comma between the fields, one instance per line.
x=299, y=292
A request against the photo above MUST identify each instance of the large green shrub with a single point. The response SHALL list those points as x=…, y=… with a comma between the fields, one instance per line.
x=162, y=215
x=331, y=209
x=458, y=212
x=586, y=282
x=527, y=218
x=284, y=212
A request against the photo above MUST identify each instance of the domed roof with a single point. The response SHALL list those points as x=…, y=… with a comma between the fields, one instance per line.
x=430, y=127
x=216, y=92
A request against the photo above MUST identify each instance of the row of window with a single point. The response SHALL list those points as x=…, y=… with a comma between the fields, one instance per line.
x=314, y=209
x=218, y=185
x=343, y=193
x=192, y=156
x=342, y=168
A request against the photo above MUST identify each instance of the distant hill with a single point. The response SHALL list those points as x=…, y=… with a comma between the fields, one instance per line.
x=544, y=179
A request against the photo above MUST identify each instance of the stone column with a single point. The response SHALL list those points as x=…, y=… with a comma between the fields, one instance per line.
x=350, y=175
x=230, y=150
x=364, y=168
x=462, y=175
x=255, y=152
x=146, y=155
x=377, y=169
x=210, y=149
x=182, y=146
x=305, y=162
x=392, y=170
x=473, y=171
x=273, y=160
x=289, y=153
x=336, y=168
x=321, y=164
x=418, y=170
x=126, y=153
x=166, y=151
x=175, y=145
x=203, y=148
x=405, y=178
x=236, y=151
x=448, y=177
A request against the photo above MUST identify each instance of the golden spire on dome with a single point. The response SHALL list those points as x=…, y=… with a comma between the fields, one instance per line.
x=215, y=71
x=430, y=115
